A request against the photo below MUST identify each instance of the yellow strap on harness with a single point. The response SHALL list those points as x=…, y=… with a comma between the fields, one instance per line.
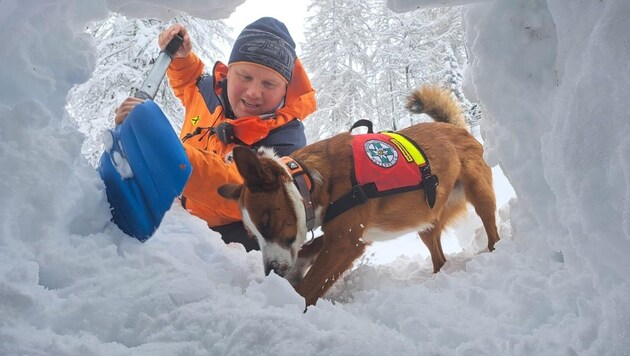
x=408, y=149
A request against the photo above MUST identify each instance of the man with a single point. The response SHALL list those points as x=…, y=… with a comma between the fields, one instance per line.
x=258, y=99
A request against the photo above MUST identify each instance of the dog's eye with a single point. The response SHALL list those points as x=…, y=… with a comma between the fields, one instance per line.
x=265, y=220
x=265, y=225
x=291, y=241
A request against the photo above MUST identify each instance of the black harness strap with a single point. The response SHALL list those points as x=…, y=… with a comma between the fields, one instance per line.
x=304, y=184
x=300, y=182
x=429, y=184
x=359, y=194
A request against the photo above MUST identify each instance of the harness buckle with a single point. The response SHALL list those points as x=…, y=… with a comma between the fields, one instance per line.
x=358, y=194
x=430, y=182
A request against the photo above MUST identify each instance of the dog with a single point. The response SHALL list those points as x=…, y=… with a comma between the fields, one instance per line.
x=278, y=213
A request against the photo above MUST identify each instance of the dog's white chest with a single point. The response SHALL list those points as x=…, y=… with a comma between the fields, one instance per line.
x=377, y=234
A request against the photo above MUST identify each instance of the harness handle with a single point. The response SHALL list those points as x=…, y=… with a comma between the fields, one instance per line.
x=362, y=122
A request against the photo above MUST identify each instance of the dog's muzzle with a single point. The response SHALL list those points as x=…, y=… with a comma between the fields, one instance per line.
x=280, y=269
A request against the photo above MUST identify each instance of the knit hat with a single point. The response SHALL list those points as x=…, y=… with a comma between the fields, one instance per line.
x=267, y=42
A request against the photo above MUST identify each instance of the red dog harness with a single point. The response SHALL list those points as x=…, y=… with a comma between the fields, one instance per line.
x=384, y=160
x=384, y=163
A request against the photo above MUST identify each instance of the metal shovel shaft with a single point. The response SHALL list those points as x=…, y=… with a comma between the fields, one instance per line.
x=150, y=86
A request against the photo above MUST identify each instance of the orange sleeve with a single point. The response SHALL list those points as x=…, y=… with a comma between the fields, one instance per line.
x=182, y=73
x=209, y=172
x=299, y=103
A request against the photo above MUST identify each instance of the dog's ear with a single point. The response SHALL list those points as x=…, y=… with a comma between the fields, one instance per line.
x=258, y=176
x=248, y=164
x=230, y=191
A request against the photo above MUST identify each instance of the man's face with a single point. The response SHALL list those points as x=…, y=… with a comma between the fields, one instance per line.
x=254, y=89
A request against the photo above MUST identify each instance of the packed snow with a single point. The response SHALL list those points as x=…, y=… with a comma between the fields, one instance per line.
x=552, y=77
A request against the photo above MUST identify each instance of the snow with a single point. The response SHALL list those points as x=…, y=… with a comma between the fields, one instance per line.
x=553, y=79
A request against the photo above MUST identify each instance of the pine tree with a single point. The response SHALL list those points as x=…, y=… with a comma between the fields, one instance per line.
x=337, y=55
x=126, y=49
x=399, y=64
x=416, y=48
x=396, y=52
x=454, y=81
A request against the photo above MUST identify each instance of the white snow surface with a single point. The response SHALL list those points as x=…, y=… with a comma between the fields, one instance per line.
x=552, y=77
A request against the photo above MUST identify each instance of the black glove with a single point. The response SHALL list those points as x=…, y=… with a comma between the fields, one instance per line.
x=225, y=132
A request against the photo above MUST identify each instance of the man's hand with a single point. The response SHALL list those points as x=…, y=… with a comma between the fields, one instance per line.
x=125, y=108
x=167, y=35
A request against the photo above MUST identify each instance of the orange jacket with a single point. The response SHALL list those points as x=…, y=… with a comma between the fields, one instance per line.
x=210, y=158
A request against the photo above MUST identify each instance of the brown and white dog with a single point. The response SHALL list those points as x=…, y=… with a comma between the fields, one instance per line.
x=274, y=209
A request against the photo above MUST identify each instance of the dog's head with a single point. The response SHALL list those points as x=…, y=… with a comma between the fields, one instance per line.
x=271, y=205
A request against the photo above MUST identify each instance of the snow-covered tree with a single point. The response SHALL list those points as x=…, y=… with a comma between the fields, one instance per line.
x=416, y=48
x=126, y=50
x=399, y=62
x=337, y=55
x=399, y=52
x=454, y=81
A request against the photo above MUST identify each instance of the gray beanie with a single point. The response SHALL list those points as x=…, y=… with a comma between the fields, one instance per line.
x=267, y=42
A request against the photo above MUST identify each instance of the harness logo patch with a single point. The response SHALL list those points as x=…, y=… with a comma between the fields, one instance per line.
x=381, y=153
x=195, y=120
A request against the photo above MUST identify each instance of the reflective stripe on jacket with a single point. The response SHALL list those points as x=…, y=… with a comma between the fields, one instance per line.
x=203, y=98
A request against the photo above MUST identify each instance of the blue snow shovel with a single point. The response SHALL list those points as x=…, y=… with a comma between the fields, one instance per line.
x=144, y=165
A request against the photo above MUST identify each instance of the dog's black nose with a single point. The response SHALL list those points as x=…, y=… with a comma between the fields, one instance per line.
x=278, y=268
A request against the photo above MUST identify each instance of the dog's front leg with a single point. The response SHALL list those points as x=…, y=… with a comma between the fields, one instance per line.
x=307, y=254
x=335, y=257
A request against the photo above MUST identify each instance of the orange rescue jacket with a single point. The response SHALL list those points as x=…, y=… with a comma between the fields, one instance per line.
x=209, y=157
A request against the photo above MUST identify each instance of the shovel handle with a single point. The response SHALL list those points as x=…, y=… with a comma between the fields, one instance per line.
x=174, y=45
x=151, y=84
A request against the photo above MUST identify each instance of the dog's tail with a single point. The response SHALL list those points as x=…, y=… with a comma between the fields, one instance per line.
x=437, y=103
